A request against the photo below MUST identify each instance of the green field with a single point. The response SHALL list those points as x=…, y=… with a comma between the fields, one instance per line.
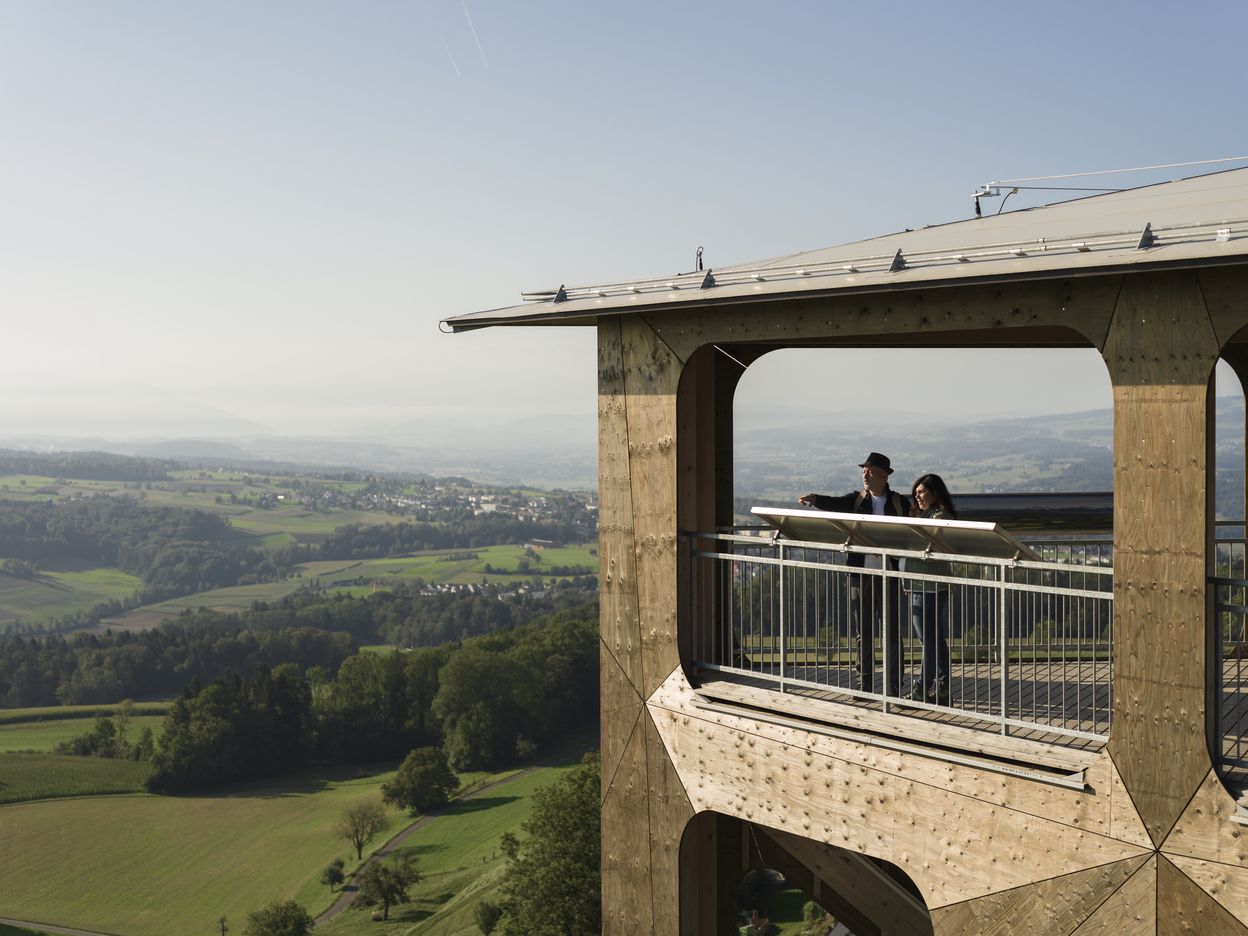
x=42, y=735
x=62, y=587
x=163, y=865
x=57, y=712
x=459, y=859
x=6, y=930
x=26, y=777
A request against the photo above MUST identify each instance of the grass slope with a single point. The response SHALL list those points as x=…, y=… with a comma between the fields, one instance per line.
x=458, y=856
x=62, y=587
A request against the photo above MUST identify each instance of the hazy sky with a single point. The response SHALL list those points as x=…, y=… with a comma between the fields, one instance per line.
x=258, y=212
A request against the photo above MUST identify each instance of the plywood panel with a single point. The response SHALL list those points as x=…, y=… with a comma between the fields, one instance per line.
x=1205, y=830
x=885, y=903
x=1226, y=294
x=670, y=812
x=1049, y=908
x=620, y=709
x=1160, y=351
x=626, y=901
x=1226, y=884
x=617, y=578
x=651, y=373
x=954, y=847
x=1104, y=808
x=1129, y=911
x=1183, y=908
x=916, y=317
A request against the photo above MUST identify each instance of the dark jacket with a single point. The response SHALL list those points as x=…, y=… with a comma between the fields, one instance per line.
x=897, y=505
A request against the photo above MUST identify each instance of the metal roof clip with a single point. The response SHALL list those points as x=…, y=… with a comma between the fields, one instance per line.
x=899, y=262
x=709, y=280
x=1147, y=238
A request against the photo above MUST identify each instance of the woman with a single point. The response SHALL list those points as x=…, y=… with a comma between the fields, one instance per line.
x=929, y=601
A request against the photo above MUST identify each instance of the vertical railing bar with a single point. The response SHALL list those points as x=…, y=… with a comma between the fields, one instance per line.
x=1003, y=645
x=783, y=626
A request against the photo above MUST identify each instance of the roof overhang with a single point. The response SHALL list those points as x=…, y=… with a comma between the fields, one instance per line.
x=1191, y=223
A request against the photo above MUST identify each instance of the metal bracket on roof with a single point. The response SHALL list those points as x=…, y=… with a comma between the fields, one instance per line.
x=1147, y=237
x=709, y=280
x=561, y=294
x=899, y=262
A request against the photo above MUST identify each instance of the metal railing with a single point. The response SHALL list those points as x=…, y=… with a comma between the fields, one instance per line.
x=1017, y=647
x=1230, y=604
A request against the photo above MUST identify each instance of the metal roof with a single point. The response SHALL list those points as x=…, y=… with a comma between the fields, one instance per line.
x=1199, y=221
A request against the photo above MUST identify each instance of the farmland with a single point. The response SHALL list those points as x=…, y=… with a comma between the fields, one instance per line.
x=43, y=735
x=229, y=853
x=436, y=567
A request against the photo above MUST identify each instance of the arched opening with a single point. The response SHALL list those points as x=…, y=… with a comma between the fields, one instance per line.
x=1229, y=622
x=1018, y=644
x=761, y=881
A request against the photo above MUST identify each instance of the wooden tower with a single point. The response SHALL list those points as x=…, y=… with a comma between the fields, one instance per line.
x=1156, y=279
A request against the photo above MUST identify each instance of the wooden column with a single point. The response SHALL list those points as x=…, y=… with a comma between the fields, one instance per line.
x=1161, y=350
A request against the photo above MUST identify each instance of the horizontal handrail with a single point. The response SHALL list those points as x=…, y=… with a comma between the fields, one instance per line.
x=1015, y=644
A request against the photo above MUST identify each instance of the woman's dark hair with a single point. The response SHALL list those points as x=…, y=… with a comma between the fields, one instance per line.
x=937, y=494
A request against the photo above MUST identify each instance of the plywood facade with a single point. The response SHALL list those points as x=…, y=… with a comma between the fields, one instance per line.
x=693, y=796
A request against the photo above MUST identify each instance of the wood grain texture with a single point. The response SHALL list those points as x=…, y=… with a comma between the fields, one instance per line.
x=619, y=708
x=954, y=847
x=1225, y=290
x=617, y=577
x=670, y=812
x=886, y=904
x=1225, y=884
x=627, y=907
x=1161, y=351
x=1104, y=808
x=1131, y=910
x=1205, y=830
x=1184, y=909
x=1055, y=907
x=916, y=317
x=651, y=373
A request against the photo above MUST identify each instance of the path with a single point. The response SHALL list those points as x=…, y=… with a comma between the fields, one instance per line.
x=49, y=928
x=348, y=893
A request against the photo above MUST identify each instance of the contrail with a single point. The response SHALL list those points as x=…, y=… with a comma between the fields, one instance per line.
x=454, y=64
x=474, y=33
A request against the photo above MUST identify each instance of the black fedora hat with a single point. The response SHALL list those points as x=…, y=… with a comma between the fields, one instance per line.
x=876, y=460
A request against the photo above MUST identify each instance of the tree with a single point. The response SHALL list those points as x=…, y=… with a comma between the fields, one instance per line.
x=333, y=875
x=487, y=916
x=284, y=918
x=552, y=881
x=361, y=823
x=424, y=781
x=387, y=883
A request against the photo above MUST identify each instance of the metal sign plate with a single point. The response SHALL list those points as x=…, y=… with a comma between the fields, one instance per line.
x=961, y=537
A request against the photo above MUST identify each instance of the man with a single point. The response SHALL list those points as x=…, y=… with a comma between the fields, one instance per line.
x=867, y=591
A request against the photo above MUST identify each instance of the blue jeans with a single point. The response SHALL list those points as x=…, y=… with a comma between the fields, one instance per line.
x=929, y=615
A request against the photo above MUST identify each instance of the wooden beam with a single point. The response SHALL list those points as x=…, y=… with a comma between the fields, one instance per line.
x=651, y=373
x=1074, y=311
x=1161, y=351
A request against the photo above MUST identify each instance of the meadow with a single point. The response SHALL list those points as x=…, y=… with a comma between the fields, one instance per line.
x=62, y=587
x=163, y=865
x=44, y=735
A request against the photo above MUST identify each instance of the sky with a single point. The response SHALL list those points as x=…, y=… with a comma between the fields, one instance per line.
x=232, y=217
